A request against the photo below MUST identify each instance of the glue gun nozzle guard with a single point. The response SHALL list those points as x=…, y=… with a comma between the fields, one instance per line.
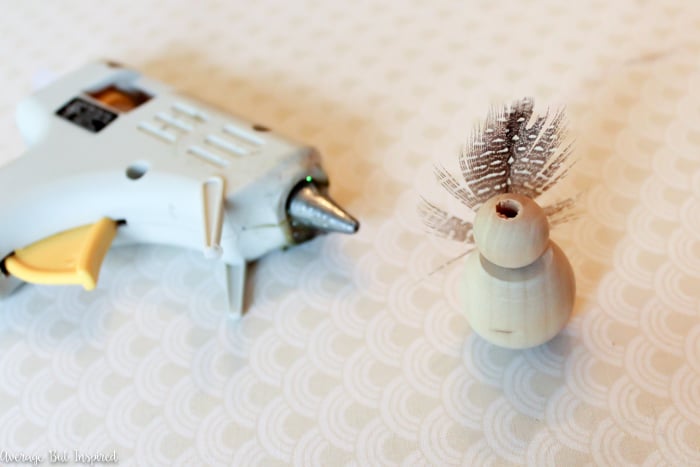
x=311, y=208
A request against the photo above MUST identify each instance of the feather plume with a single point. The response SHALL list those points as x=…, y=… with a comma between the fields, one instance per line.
x=511, y=152
x=445, y=225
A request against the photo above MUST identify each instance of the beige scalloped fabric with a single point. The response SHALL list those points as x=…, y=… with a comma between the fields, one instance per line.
x=353, y=353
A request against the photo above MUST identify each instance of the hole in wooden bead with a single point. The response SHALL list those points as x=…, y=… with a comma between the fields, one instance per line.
x=508, y=208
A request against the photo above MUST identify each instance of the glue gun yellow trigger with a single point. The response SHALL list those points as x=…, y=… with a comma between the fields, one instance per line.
x=72, y=257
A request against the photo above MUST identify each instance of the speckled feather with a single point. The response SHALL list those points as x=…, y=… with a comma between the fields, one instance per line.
x=509, y=153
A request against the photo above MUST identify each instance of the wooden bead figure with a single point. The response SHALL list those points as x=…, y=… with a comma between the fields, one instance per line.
x=518, y=286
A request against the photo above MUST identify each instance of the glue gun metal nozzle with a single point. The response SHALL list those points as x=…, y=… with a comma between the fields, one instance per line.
x=311, y=208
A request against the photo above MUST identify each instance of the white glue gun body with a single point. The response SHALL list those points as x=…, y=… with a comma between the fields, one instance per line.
x=108, y=143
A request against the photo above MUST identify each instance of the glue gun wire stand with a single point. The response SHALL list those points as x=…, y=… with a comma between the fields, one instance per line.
x=116, y=158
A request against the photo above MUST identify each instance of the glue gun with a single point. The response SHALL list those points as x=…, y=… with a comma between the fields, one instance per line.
x=117, y=158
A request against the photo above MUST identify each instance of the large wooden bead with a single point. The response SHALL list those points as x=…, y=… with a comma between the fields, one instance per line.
x=516, y=306
x=511, y=230
x=519, y=307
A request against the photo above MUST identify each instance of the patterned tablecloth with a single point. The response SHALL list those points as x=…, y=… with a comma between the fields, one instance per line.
x=352, y=352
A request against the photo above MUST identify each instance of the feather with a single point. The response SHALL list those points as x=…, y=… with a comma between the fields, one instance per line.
x=509, y=153
x=453, y=187
x=560, y=212
x=483, y=161
x=445, y=225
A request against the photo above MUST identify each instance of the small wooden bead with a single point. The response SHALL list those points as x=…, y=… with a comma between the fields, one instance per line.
x=511, y=230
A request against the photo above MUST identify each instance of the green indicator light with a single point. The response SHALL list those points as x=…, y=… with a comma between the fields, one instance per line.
x=309, y=178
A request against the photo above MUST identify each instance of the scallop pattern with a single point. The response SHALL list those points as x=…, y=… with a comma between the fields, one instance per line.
x=354, y=351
